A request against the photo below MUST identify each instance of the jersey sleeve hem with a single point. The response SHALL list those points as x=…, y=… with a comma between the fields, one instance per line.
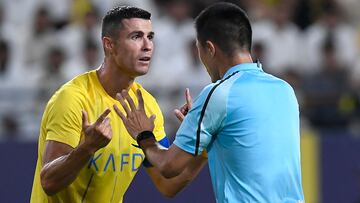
x=185, y=148
x=72, y=142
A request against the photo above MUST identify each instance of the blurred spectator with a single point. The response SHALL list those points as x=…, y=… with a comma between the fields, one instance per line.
x=10, y=127
x=281, y=40
x=29, y=31
x=295, y=80
x=4, y=58
x=41, y=38
x=53, y=76
x=90, y=59
x=303, y=13
x=91, y=55
x=173, y=32
x=326, y=91
x=343, y=34
x=74, y=37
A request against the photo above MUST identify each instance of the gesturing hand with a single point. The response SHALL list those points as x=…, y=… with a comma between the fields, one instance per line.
x=136, y=120
x=181, y=113
x=98, y=134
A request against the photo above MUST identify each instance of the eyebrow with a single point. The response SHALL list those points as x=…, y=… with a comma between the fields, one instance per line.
x=141, y=33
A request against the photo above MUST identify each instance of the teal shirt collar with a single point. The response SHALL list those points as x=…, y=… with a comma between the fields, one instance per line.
x=243, y=67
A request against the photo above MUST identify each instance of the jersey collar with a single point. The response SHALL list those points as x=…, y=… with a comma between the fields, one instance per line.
x=243, y=67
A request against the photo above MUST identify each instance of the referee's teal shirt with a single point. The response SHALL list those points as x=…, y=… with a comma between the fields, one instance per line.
x=249, y=124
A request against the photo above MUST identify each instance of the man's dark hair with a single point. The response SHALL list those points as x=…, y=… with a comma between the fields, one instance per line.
x=112, y=21
x=225, y=24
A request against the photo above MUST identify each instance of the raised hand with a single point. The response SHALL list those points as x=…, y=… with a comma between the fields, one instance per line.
x=98, y=134
x=182, y=111
x=136, y=120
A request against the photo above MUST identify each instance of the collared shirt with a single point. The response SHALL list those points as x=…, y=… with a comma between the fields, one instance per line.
x=249, y=124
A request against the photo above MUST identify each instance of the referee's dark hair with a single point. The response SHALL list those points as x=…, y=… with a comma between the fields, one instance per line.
x=226, y=25
x=111, y=23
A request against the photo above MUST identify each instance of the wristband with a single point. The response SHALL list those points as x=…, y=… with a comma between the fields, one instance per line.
x=144, y=135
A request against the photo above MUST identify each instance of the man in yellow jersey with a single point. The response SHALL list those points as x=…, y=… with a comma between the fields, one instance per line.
x=85, y=153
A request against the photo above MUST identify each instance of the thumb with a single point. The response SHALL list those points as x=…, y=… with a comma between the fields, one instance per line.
x=85, y=119
x=179, y=115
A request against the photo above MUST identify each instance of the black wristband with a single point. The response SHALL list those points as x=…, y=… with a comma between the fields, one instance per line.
x=144, y=135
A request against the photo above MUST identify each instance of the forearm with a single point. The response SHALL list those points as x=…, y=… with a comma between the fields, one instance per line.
x=168, y=161
x=59, y=173
x=170, y=187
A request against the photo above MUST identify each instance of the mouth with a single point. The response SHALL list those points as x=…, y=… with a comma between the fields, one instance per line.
x=144, y=59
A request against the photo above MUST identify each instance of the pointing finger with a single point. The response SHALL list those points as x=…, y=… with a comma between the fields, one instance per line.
x=85, y=120
x=188, y=98
x=102, y=116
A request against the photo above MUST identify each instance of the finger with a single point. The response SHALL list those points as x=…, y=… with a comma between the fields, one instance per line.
x=120, y=98
x=102, y=116
x=126, y=95
x=119, y=113
x=108, y=133
x=152, y=118
x=184, y=109
x=107, y=128
x=85, y=120
x=102, y=126
x=188, y=98
x=140, y=99
x=179, y=115
x=106, y=122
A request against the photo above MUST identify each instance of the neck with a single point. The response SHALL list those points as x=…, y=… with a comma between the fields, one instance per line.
x=112, y=79
x=227, y=62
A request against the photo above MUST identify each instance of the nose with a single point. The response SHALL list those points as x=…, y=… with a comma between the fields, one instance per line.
x=147, y=45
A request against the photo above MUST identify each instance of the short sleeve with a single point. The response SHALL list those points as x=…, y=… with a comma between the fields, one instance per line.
x=64, y=117
x=202, y=122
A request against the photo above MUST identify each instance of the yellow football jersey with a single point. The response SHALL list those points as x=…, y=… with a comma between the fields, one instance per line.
x=108, y=174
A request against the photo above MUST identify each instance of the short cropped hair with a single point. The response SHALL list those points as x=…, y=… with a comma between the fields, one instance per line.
x=225, y=24
x=111, y=23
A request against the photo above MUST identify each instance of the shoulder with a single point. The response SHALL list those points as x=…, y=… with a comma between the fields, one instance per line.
x=71, y=92
x=284, y=84
x=218, y=92
x=213, y=97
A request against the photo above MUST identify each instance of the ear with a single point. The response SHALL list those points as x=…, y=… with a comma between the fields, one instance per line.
x=210, y=47
x=107, y=44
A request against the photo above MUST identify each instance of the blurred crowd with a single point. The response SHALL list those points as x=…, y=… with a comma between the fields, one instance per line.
x=312, y=44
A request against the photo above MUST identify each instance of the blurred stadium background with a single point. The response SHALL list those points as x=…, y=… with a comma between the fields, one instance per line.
x=312, y=44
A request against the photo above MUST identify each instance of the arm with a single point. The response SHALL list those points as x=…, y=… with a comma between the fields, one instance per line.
x=170, y=187
x=62, y=163
x=170, y=162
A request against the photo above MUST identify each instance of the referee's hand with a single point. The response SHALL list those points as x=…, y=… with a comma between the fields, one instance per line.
x=182, y=111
